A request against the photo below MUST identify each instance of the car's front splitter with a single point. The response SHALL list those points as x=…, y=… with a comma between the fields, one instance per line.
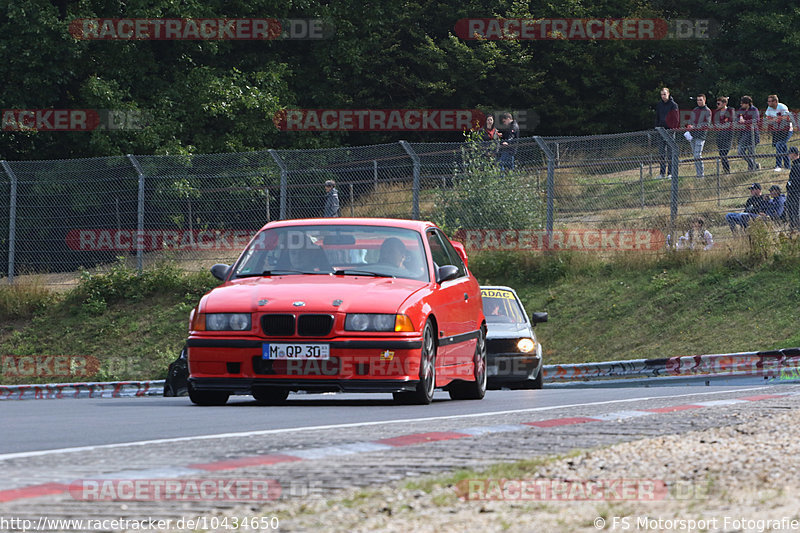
x=246, y=385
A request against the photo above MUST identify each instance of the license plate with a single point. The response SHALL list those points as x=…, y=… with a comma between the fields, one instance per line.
x=274, y=350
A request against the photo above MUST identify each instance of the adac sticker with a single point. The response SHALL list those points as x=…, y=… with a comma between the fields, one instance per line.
x=387, y=355
x=494, y=293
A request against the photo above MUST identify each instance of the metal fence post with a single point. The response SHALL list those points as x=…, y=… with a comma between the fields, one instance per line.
x=284, y=183
x=415, y=187
x=641, y=181
x=673, y=146
x=139, y=213
x=551, y=184
x=12, y=219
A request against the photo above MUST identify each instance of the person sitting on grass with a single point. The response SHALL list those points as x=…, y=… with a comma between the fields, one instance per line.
x=695, y=237
x=754, y=206
x=776, y=204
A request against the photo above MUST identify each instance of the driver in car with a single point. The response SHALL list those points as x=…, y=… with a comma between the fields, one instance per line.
x=393, y=253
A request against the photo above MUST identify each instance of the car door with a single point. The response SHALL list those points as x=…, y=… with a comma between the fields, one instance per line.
x=457, y=301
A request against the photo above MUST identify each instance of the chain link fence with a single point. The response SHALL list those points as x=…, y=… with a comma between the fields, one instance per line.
x=590, y=192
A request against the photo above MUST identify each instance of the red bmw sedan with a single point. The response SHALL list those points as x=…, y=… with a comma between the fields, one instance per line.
x=341, y=304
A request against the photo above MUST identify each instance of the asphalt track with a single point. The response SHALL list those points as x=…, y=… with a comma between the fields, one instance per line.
x=39, y=425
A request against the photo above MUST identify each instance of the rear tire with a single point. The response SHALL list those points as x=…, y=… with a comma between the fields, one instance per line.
x=270, y=396
x=427, y=372
x=473, y=390
x=207, y=397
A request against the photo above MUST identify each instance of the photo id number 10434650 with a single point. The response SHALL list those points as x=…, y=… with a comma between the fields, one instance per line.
x=272, y=350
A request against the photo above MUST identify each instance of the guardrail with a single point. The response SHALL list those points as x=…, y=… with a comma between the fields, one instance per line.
x=767, y=364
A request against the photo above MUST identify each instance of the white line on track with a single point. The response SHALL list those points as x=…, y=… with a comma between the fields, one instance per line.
x=18, y=455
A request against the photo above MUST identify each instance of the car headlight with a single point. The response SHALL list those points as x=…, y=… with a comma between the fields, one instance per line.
x=227, y=321
x=526, y=345
x=375, y=322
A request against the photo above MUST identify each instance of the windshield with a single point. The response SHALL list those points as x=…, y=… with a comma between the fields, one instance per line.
x=340, y=249
x=501, y=306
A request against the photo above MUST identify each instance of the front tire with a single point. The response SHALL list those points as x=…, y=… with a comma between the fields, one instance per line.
x=427, y=372
x=473, y=390
x=207, y=397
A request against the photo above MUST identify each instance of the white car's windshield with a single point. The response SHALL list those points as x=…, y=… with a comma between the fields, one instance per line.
x=501, y=306
x=340, y=249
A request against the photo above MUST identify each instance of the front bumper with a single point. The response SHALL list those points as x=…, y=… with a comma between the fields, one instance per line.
x=355, y=365
x=512, y=367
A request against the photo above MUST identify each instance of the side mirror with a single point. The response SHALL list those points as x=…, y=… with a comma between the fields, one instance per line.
x=220, y=271
x=446, y=273
x=462, y=252
x=537, y=318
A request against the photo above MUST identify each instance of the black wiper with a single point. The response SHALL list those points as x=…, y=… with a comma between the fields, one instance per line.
x=352, y=272
x=275, y=272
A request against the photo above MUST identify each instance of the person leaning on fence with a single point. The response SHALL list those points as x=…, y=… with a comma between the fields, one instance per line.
x=753, y=208
x=666, y=117
x=722, y=123
x=695, y=237
x=331, y=206
x=509, y=137
x=780, y=124
x=697, y=129
x=793, y=190
x=747, y=123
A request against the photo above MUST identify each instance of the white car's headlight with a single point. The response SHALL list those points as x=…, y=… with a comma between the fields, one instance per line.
x=228, y=321
x=369, y=322
x=526, y=345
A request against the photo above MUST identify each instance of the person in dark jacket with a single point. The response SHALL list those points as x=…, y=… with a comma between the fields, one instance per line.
x=666, y=117
x=331, y=207
x=509, y=137
x=698, y=129
x=748, y=123
x=722, y=123
x=753, y=208
x=793, y=190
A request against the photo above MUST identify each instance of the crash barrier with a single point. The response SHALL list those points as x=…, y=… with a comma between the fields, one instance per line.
x=112, y=389
x=768, y=364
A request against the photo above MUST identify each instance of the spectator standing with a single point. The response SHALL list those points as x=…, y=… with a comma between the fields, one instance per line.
x=509, y=137
x=749, y=136
x=666, y=117
x=698, y=129
x=331, y=206
x=755, y=206
x=780, y=125
x=722, y=120
x=489, y=131
x=793, y=190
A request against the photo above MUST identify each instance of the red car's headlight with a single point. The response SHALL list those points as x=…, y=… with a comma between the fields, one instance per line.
x=222, y=322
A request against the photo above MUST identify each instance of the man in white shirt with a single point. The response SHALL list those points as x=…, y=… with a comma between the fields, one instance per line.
x=780, y=124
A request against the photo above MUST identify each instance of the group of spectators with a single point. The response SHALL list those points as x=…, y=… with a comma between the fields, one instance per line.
x=745, y=123
x=504, y=138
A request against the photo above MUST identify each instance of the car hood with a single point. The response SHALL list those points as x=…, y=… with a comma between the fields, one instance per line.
x=500, y=330
x=318, y=293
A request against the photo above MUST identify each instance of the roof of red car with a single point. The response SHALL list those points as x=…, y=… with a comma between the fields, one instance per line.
x=419, y=225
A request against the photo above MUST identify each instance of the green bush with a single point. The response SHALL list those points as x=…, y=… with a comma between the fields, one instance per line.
x=484, y=196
